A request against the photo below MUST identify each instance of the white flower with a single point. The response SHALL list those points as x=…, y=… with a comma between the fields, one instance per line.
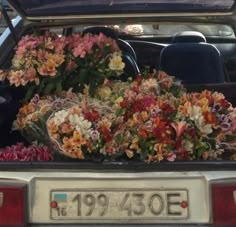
x=94, y=134
x=116, y=63
x=74, y=119
x=195, y=113
x=197, y=117
x=204, y=128
x=188, y=145
x=60, y=116
x=150, y=85
x=81, y=125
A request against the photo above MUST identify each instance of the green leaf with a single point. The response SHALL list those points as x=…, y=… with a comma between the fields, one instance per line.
x=29, y=93
x=59, y=87
x=41, y=86
x=97, y=77
x=83, y=74
x=49, y=88
x=92, y=88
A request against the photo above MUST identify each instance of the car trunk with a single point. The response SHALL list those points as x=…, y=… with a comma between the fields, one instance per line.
x=49, y=185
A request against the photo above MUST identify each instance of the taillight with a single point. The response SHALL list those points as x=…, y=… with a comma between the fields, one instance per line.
x=13, y=206
x=224, y=204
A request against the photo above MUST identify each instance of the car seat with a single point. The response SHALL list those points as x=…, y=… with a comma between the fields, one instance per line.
x=192, y=60
x=128, y=54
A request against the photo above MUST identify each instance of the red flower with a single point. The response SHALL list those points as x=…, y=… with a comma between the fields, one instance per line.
x=124, y=103
x=167, y=109
x=92, y=116
x=142, y=133
x=210, y=117
x=20, y=153
x=224, y=103
x=106, y=133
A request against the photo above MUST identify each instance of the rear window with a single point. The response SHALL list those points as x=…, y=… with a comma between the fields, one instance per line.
x=166, y=30
x=171, y=29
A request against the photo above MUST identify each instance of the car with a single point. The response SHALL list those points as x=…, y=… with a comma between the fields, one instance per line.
x=192, y=40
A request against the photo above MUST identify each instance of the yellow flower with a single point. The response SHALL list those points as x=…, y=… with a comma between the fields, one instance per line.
x=78, y=138
x=116, y=62
x=204, y=104
x=104, y=92
x=67, y=144
x=144, y=115
x=185, y=109
x=52, y=127
x=57, y=59
x=134, y=144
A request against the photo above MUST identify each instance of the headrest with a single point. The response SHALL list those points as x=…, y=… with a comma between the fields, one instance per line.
x=109, y=32
x=189, y=37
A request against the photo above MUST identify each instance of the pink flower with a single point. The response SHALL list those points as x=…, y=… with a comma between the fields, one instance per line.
x=179, y=127
x=31, y=74
x=79, y=51
x=171, y=157
x=71, y=65
x=20, y=153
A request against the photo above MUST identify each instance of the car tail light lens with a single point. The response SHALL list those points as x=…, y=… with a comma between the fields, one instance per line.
x=13, y=206
x=224, y=205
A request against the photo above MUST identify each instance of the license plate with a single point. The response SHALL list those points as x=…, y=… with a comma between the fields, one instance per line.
x=122, y=204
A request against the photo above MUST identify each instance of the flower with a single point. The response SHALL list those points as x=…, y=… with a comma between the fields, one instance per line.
x=116, y=63
x=89, y=130
x=19, y=152
x=179, y=127
x=153, y=119
x=47, y=64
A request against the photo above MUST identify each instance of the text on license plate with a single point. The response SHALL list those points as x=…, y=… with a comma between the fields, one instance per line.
x=111, y=204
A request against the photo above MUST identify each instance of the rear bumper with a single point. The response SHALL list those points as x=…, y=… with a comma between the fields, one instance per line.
x=115, y=225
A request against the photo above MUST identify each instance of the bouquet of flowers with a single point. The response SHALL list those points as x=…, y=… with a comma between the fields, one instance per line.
x=49, y=63
x=92, y=59
x=82, y=130
x=150, y=119
x=19, y=152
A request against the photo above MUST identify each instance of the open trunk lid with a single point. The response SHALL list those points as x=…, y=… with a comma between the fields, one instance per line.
x=61, y=9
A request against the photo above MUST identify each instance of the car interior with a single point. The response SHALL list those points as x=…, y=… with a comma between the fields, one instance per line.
x=199, y=61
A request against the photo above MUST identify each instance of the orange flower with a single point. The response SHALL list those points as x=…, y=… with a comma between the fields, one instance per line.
x=134, y=145
x=71, y=149
x=204, y=104
x=155, y=158
x=185, y=109
x=52, y=127
x=104, y=123
x=16, y=78
x=129, y=153
x=57, y=59
x=166, y=80
x=78, y=138
x=142, y=133
x=67, y=144
x=158, y=147
x=47, y=69
x=75, y=152
x=210, y=117
x=66, y=128
x=75, y=110
x=144, y=115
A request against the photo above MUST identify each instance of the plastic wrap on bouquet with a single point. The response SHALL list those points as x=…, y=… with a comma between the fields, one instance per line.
x=32, y=117
x=83, y=130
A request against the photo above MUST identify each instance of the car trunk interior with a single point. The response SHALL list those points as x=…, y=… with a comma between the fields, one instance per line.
x=147, y=49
